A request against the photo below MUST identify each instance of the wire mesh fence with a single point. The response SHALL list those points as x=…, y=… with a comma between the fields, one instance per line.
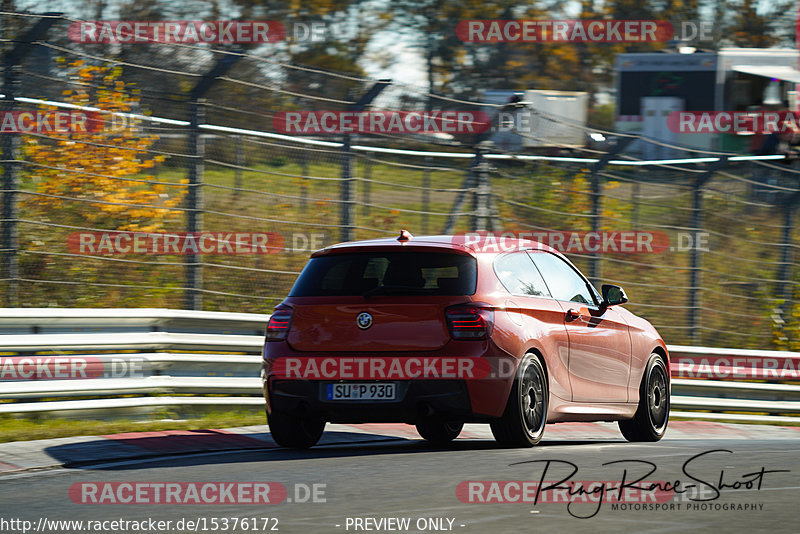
x=191, y=195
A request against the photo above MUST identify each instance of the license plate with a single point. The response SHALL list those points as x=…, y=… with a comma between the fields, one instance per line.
x=357, y=391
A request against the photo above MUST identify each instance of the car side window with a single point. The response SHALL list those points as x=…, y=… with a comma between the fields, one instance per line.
x=519, y=276
x=561, y=279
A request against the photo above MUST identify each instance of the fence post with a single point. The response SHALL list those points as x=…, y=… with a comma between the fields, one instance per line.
x=595, y=272
x=470, y=180
x=784, y=285
x=9, y=237
x=304, y=181
x=194, y=206
x=695, y=258
x=480, y=216
x=367, y=186
x=239, y=154
x=346, y=196
x=694, y=268
x=346, y=192
x=426, y=196
x=597, y=206
x=10, y=232
x=192, y=299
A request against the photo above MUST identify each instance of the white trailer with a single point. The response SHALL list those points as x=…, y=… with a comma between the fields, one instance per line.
x=546, y=118
x=559, y=118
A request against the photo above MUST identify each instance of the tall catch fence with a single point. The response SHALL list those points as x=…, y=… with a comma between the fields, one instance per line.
x=195, y=146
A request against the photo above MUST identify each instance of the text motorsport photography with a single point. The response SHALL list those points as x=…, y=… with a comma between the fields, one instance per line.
x=698, y=489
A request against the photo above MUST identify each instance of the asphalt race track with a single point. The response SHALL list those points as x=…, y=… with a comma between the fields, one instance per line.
x=384, y=478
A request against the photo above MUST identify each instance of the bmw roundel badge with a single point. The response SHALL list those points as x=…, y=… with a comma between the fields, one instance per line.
x=364, y=320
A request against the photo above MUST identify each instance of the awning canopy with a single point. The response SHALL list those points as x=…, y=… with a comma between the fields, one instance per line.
x=781, y=72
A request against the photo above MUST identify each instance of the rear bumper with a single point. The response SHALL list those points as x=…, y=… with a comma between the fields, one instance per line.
x=417, y=399
x=472, y=400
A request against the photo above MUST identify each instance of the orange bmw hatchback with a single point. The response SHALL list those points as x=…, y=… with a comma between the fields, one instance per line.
x=439, y=331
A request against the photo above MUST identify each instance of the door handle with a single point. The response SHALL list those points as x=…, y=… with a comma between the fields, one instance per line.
x=573, y=314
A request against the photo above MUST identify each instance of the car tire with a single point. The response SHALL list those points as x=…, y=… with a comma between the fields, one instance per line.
x=651, y=418
x=439, y=432
x=295, y=432
x=525, y=416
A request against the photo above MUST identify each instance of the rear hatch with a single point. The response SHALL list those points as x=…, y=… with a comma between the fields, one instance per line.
x=404, y=293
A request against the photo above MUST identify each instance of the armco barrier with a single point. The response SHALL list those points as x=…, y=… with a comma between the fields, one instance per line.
x=734, y=364
x=213, y=359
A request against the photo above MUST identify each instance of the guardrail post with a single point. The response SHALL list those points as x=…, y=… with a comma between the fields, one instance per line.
x=9, y=237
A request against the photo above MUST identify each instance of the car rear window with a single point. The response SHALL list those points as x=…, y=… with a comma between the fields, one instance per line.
x=373, y=273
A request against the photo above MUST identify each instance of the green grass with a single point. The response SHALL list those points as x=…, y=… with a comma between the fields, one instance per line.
x=12, y=429
x=26, y=429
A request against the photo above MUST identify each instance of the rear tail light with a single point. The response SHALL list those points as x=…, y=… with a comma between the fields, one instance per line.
x=279, y=323
x=470, y=321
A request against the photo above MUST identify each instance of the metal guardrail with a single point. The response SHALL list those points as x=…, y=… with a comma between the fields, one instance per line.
x=134, y=341
x=707, y=383
x=73, y=320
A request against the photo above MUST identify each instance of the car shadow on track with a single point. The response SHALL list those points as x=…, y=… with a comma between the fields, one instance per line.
x=166, y=451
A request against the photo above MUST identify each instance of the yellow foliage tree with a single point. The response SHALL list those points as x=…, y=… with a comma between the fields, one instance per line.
x=102, y=167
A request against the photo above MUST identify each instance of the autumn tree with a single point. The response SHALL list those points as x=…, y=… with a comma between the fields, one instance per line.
x=104, y=170
x=751, y=28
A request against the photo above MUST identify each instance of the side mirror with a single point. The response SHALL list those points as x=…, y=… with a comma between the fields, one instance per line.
x=613, y=295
